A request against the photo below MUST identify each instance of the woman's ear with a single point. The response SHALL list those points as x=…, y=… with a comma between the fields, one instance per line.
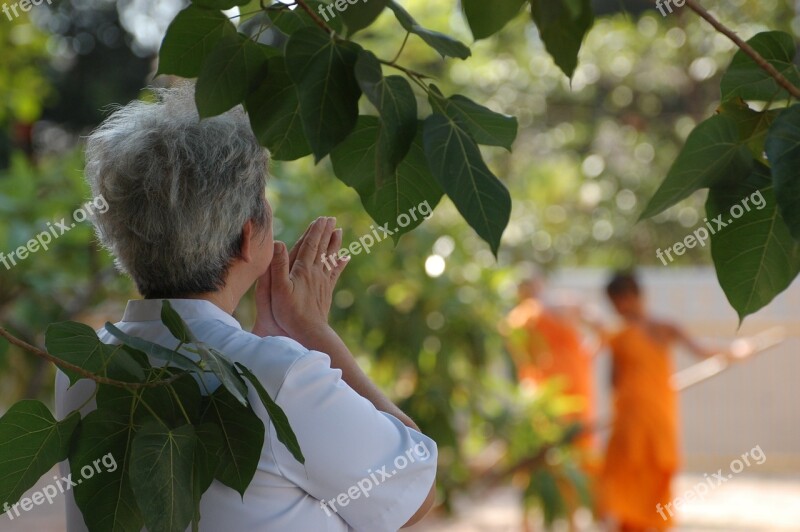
x=248, y=233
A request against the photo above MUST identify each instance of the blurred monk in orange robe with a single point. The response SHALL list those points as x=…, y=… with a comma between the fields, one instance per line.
x=546, y=343
x=642, y=454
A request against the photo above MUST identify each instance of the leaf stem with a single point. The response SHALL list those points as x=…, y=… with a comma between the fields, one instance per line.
x=316, y=18
x=25, y=346
x=746, y=48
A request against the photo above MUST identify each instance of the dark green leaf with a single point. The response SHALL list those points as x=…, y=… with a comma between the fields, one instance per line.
x=233, y=69
x=158, y=399
x=154, y=350
x=410, y=190
x=444, y=44
x=745, y=79
x=753, y=125
x=173, y=321
x=31, y=443
x=563, y=24
x=544, y=488
x=242, y=439
x=713, y=153
x=361, y=14
x=483, y=124
x=219, y=4
x=79, y=345
x=212, y=359
x=190, y=39
x=322, y=70
x=207, y=457
x=161, y=476
x=754, y=255
x=457, y=164
x=283, y=429
x=783, y=151
x=274, y=110
x=395, y=101
x=290, y=20
x=487, y=18
x=106, y=500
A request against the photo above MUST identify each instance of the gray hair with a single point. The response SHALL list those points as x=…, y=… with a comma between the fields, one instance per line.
x=179, y=191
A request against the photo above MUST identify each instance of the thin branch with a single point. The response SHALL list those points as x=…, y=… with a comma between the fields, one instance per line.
x=407, y=71
x=746, y=48
x=13, y=340
x=316, y=18
x=402, y=47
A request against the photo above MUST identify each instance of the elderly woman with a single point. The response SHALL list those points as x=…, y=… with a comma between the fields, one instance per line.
x=188, y=222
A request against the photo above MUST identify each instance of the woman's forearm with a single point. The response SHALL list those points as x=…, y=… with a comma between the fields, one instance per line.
x=327, y=341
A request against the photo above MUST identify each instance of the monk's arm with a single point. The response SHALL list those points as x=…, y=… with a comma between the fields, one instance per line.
x=690, y=343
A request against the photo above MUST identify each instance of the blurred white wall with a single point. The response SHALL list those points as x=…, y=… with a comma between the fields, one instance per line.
x=754, y=403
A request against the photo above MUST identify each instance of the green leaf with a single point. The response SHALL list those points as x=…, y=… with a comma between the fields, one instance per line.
x=362, y=14
x=745, y=79
x=31, y=443
x=563, y=24
x=753, y=126
x=215, y=361
x=274, y=110
x=484, y=125
x=395, y=101
x=158, y=398
x=106, y=500
x=290, y=20
x=161, y=476
x=232, y=70
x=190, y=39
x=444, y=44
x=207, y=458
x=242, y=439
x=79, y=345
x=487, y=18
x=155, y=351
x=456, y=162
x=283, y=429
x=783, y=151
x=713, y=153
x=322, y=70
x=391, y=200
x=219, y=4
x=543, y=488
x=754, y=255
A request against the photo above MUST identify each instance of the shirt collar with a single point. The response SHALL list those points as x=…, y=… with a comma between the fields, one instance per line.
x=189, y=309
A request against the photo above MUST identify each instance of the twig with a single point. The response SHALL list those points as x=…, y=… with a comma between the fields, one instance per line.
x=316, y=18
x=13, y=340
x=746, y=48
x=410, y=73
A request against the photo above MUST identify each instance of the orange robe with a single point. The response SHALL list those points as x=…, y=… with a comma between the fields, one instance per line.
x=642, y=454
x=555, y=349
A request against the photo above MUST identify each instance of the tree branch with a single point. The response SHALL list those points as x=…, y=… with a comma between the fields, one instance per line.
x=316, y=18
x=746, y=48
x=13, y=340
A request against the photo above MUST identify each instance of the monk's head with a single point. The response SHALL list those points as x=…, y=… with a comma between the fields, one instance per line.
x=625, y=294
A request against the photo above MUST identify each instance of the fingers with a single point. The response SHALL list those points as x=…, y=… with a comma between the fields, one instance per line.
x=337, y=270
x=319, y=231
x=296, y=248
x=279, y=270
x=335, y=244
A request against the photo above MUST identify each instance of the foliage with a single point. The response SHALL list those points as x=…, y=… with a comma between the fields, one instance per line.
x=328, y=74
x=163, y=434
